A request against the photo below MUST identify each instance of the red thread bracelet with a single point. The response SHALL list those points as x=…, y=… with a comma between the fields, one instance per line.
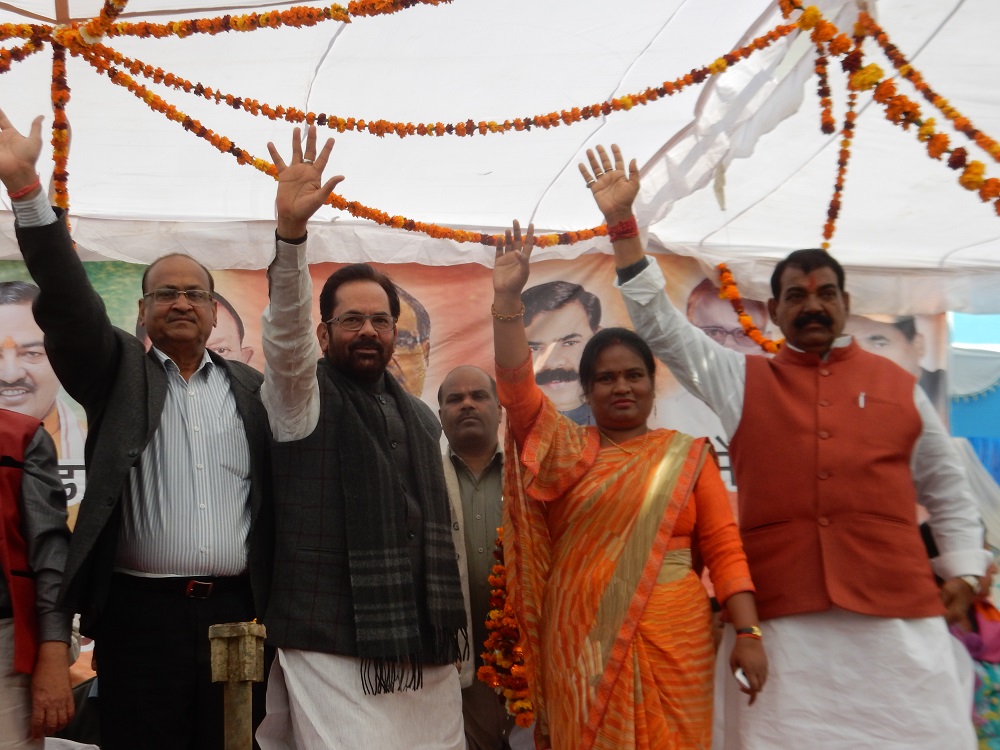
x=624, y=229
x=15, y=194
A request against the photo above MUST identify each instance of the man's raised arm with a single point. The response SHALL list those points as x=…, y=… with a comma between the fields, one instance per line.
x=68, y=309
x=290, y=393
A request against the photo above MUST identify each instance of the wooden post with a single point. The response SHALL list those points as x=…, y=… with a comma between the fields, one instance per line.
x=238, y=661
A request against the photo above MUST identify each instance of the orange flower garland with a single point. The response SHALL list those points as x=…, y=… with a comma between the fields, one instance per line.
x=10, y=56
x=60, y=125
x=728, y=290
x=470, y=127
x=503, y=659
x=899, y=61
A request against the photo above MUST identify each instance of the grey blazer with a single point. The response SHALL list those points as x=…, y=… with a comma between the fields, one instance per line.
x=123, y=390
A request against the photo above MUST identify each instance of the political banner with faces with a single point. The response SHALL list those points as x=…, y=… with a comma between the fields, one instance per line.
x=445, y=322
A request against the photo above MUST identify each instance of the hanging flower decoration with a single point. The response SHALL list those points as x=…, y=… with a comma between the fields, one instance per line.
x=729, y=291
x=470, y=127
x=503, y=659
x=60, y=126
x=82, y=39
x=10, y=56
x=899, y=61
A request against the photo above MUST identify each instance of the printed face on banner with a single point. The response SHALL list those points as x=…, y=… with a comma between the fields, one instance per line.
x=893, y=337
x=226, y=338
x=718, y=320
x=27, y=383
x=556, y=339
x=413, y=346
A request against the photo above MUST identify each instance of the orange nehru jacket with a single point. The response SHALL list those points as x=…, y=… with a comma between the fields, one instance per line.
x=826, y=498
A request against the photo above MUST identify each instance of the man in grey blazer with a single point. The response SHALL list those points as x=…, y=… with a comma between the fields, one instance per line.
x=174, y=531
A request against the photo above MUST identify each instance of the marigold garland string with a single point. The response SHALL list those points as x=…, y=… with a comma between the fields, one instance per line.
x=503, y=659
x=470, y=127
x=60, y=125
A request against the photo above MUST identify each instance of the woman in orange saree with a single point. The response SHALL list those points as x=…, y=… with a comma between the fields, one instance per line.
x=599, y=527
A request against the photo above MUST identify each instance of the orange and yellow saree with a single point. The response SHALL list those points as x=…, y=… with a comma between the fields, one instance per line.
x=615, y=624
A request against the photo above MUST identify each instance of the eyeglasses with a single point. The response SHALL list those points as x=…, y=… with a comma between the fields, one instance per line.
x=719, y=336
x=166, y=296
x=354, y=322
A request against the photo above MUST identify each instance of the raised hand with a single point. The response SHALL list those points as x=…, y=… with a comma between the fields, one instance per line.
x=301, y=190
x=613, y=190
x=510, y=270
x=19, y=154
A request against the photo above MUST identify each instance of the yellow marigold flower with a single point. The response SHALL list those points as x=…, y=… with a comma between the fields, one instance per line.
x=718, y=66
x=626, y=102
x=926, y=130
x=867, y=77
x=809, y=18
x=972, y=176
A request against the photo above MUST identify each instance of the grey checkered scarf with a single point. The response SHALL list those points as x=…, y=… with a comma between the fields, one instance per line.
x=386, y=606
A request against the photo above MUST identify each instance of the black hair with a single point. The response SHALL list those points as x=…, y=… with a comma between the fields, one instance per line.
x=806, y=261
x=17, y=293
x=356, y=272
x=553, y=295
x=607, y=337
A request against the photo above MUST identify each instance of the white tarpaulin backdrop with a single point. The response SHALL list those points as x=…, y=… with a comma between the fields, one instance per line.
x=734, y=170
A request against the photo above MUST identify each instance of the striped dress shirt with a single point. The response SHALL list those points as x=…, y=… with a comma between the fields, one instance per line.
x=187, y=508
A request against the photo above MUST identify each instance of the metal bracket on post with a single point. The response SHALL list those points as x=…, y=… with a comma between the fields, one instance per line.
x=238, y=661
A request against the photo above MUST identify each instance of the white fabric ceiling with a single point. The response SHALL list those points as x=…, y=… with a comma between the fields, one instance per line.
x=913, y=240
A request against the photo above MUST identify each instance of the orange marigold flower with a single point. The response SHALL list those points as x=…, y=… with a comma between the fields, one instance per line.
x=937, y=145
x=990, y=189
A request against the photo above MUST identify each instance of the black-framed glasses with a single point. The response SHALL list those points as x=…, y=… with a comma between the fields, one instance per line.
x=355, y=322
x=166, y=296
x=718, y=334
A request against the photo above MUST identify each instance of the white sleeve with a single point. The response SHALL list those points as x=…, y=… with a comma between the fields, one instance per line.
x=710, y=371
x=34, y=212
x=944, y=490
x=290, y=392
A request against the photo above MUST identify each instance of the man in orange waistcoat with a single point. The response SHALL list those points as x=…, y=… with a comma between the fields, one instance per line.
x=832, y=447
x=35, y=695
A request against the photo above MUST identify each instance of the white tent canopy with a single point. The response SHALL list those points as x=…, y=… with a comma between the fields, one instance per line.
x=734, y=170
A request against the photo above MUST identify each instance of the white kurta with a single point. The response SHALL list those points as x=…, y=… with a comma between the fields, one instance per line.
x=316, y=702
x=843, y=681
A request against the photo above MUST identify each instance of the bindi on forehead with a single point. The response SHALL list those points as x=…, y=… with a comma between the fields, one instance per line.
x=811, y=283
x=8, y=343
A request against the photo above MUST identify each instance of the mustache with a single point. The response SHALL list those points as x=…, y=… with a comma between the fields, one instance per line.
x=813, y=317
x=559, y=374
x=22, y=383
x=367, y=345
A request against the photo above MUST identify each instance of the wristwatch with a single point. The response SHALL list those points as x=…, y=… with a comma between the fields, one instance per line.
x=973, y=582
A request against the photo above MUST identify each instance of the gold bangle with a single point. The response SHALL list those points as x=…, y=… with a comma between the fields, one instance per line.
x=752, y=632
x=507, y=318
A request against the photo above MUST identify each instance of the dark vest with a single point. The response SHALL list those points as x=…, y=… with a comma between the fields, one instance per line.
x=16, y=432
x=311, y=606
x=827, y=506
